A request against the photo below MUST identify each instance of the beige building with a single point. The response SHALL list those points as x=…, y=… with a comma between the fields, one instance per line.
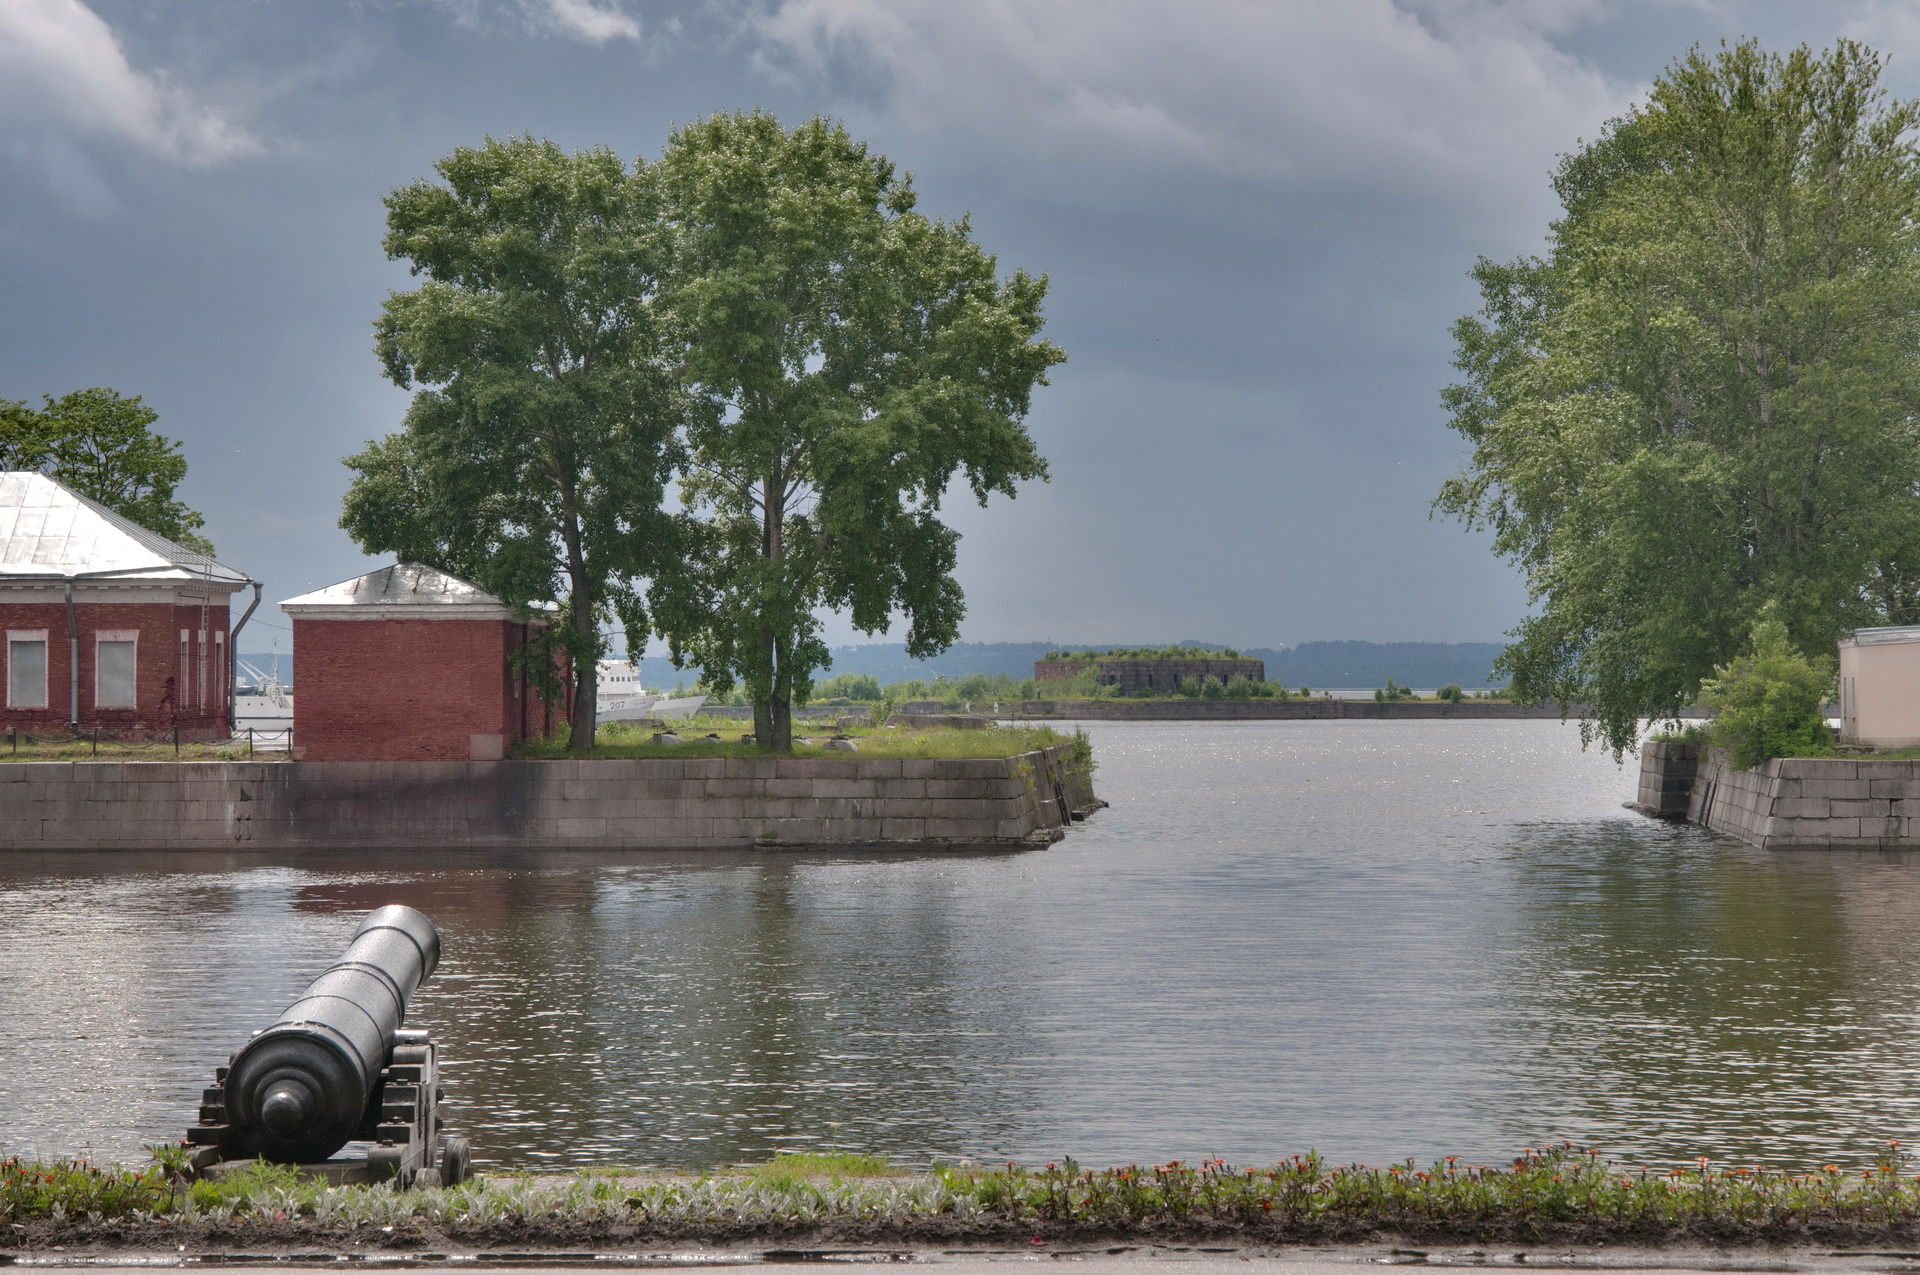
x=1880, y=687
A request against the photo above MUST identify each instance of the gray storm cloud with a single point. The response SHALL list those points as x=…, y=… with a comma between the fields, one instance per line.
x=1256, y=216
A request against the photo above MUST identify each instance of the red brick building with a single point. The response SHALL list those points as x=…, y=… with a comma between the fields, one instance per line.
x=107, y=624
x=409, y=663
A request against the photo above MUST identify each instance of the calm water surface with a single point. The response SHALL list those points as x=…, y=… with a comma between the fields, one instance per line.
x=1377, y=939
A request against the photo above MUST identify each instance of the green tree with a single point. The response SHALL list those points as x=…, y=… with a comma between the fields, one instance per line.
x=103, y=446
x=1391, y=692
x=864, y=687
x=1770, y=703
x=538, y=445
x=1703, y=397
x=861, y=355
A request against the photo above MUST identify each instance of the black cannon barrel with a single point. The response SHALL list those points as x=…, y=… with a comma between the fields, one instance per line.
x=298, y=1091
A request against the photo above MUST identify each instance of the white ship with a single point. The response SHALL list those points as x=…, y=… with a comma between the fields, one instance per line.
x=264, y=711
x=622, y=698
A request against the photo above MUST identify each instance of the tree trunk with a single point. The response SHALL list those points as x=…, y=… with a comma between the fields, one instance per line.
x=762, y=706
x=586, y=686
x=777, y=731
x=584, y=650
x=780, y=704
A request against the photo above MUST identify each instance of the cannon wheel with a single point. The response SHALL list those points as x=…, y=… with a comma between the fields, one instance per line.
x=456, y=1162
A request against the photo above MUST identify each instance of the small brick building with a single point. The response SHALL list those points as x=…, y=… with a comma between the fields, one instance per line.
x=108, y=625
x=1158, y=675
x=409, y=663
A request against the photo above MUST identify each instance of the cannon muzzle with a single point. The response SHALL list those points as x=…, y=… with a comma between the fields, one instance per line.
x=301, y=1089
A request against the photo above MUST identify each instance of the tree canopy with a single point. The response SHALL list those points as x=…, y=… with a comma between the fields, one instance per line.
x=103, y=446
x=1702, y=398
x=540, y=438
x=856, y=357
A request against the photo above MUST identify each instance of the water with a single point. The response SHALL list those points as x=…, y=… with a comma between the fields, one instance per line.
x=1377, y=939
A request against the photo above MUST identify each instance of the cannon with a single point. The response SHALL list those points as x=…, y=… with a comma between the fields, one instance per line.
x=339, y=1067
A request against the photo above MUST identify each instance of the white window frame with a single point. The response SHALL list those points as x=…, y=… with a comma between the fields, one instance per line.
x=46, y=671
x=116, y=635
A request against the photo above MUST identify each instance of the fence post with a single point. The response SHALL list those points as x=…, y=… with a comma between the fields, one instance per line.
x=249, y=741
x=176, y=739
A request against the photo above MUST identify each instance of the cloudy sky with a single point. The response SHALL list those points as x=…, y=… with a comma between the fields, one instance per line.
x=1257, y=216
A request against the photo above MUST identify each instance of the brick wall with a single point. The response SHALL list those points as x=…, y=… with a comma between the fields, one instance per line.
x=410, y=690
x=698, y=803
x=190, y=693
x=1159, y=675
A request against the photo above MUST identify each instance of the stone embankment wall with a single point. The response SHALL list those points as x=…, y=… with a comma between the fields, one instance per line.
x=1667, y=772
x=1217, y=710
x=664, y=803
x=1834, y=803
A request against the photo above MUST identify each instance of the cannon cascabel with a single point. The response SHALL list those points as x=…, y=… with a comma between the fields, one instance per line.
x=298, y=1091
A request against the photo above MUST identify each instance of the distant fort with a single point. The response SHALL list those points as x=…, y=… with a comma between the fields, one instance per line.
x=1161, y=670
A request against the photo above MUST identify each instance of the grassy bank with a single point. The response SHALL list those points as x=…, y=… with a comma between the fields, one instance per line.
x=703, y=737
x=723, y=737
x=1558, y=1194
x=25, y=748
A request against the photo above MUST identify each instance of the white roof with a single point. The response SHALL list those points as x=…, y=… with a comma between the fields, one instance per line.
x=49, y=530
x=403, y=591
x=1882, y=637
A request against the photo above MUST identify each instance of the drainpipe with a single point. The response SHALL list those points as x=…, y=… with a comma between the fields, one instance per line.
x=233, y=661
x=73, y=663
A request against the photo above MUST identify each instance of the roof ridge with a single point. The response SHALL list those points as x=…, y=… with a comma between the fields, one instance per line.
x=42, y=542
x=398, y=584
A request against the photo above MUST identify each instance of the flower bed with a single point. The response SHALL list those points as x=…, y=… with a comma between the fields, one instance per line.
x=1560, y=1194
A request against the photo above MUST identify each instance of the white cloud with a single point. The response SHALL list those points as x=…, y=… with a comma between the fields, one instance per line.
x=1467, y=96
x=588, y=21
x=1891, y=26
x=60, y=65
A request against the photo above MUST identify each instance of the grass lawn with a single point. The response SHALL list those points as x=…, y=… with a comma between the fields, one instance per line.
x=63, y=748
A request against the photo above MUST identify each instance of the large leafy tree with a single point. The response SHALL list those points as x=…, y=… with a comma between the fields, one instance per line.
x=540, y=438
x=1702, y=398
x=857, y=356
x=103, y=445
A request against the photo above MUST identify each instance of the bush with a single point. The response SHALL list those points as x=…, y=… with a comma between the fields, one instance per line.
x=1769, y=703
x=1451, y=693
x=860, y=687
x=1391, y=692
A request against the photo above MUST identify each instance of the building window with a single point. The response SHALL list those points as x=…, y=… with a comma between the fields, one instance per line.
x=26, y=668
x=113, y=668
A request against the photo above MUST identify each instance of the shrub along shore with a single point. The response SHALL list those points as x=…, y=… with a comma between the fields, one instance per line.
x=1560, y=1194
